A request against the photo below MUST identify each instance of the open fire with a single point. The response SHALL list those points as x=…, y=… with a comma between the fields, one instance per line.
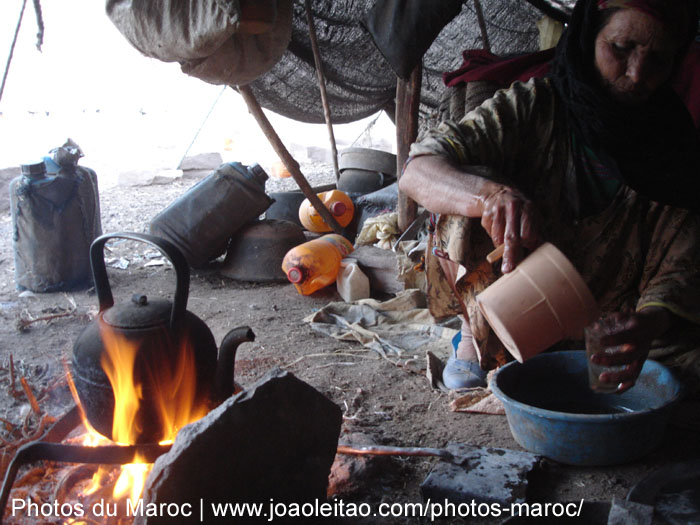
x=172, y=390
x=272, y=459
x=140, y=372
x=86, y=494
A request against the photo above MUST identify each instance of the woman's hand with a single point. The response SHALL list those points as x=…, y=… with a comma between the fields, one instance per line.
x=506, y=214
x=510, y=218
x=633, y=333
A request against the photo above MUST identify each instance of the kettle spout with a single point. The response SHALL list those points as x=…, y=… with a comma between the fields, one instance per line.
x=227, y=360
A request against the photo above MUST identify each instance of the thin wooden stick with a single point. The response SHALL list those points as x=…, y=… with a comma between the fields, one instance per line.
x=22, y=324
x=381, y=450
x=327, y=354
x=322, y=86
x=12, y=377
x=30, y=396
x=286, y=157
x=496, y=254
x=482, y=25
x=12, y=49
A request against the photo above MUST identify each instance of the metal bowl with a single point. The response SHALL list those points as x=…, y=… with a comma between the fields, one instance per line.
x=364, y=170
x=551, y=410
x=255, y=254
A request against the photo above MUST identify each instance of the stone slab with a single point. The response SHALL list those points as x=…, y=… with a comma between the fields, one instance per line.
x=275, y=441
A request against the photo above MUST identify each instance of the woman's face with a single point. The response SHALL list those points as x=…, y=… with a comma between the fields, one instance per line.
x=634, y=55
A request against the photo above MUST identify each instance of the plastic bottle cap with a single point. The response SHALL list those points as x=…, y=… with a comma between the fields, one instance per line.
x=34, y=169
x=295, y=275
x=338, y=208
x=258, y=172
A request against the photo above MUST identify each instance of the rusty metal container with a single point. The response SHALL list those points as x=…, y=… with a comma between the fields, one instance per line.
x=201, y=222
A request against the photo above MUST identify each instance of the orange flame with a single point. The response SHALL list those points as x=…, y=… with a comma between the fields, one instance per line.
x=118, y=363
x=92, y=438
x=171, y=390
x=132, y=480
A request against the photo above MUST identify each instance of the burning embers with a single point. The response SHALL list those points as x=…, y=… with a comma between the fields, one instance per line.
x=150, y=395
x=154, y=386
x=262, y=454
x=141, y=371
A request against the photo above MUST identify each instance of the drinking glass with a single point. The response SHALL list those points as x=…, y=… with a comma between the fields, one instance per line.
x=593, y=335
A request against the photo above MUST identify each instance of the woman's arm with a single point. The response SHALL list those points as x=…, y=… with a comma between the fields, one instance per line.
x=440, y=186
x=669, y=289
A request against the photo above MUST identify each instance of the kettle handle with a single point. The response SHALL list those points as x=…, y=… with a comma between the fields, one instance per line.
x=182, y=272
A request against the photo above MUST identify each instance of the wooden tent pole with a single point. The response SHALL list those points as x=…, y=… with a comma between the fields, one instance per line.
x=482, y=25
x=322, y=86
x=286, y=157
x=407, y=104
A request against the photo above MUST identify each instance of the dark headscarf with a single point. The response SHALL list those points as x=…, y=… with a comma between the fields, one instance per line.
x=653, y=147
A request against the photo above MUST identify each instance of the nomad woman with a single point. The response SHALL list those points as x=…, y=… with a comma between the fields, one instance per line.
x=602, y=159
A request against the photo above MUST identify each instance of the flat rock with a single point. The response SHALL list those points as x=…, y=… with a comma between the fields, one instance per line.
x=623, y=512
x=201, y=161
x=318, y=154
x=484, y=475
x=148, y=177
x=349, y=471
x=273, y=442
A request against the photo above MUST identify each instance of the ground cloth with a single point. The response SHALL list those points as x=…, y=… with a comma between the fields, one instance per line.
x=400, y=326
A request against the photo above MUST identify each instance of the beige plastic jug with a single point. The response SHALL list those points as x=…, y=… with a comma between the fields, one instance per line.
x=542, y=301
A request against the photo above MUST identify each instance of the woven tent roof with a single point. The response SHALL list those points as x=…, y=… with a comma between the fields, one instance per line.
x=359, y=80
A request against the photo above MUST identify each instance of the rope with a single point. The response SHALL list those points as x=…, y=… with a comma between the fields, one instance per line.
x=367, y=129
x=201, y=126
x=40, y=24
x=12, y=49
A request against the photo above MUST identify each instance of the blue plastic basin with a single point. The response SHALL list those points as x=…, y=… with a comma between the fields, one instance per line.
x=551, y=410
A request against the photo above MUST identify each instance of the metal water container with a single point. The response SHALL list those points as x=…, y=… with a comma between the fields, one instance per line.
x=201, y=222
x=55, y=218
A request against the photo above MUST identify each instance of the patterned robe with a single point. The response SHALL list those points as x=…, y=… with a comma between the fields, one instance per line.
x=635, y=253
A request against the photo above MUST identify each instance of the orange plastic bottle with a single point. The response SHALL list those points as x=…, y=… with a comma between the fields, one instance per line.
x=316, y=263
x=337, y=202
x=279, y=170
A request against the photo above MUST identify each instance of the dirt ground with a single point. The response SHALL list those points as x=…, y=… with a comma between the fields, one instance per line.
x=381, y=399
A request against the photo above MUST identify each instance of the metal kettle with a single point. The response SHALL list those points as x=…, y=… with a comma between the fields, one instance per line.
x=168, y=341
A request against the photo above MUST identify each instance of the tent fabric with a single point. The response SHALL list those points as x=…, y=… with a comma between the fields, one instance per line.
x=244, y=57
x=403, y=30
x=359, y=81
x=204, y=37
x=174, y=30
x=207, y=37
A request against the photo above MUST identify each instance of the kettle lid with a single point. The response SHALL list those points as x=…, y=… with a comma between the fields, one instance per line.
x=140, y=312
